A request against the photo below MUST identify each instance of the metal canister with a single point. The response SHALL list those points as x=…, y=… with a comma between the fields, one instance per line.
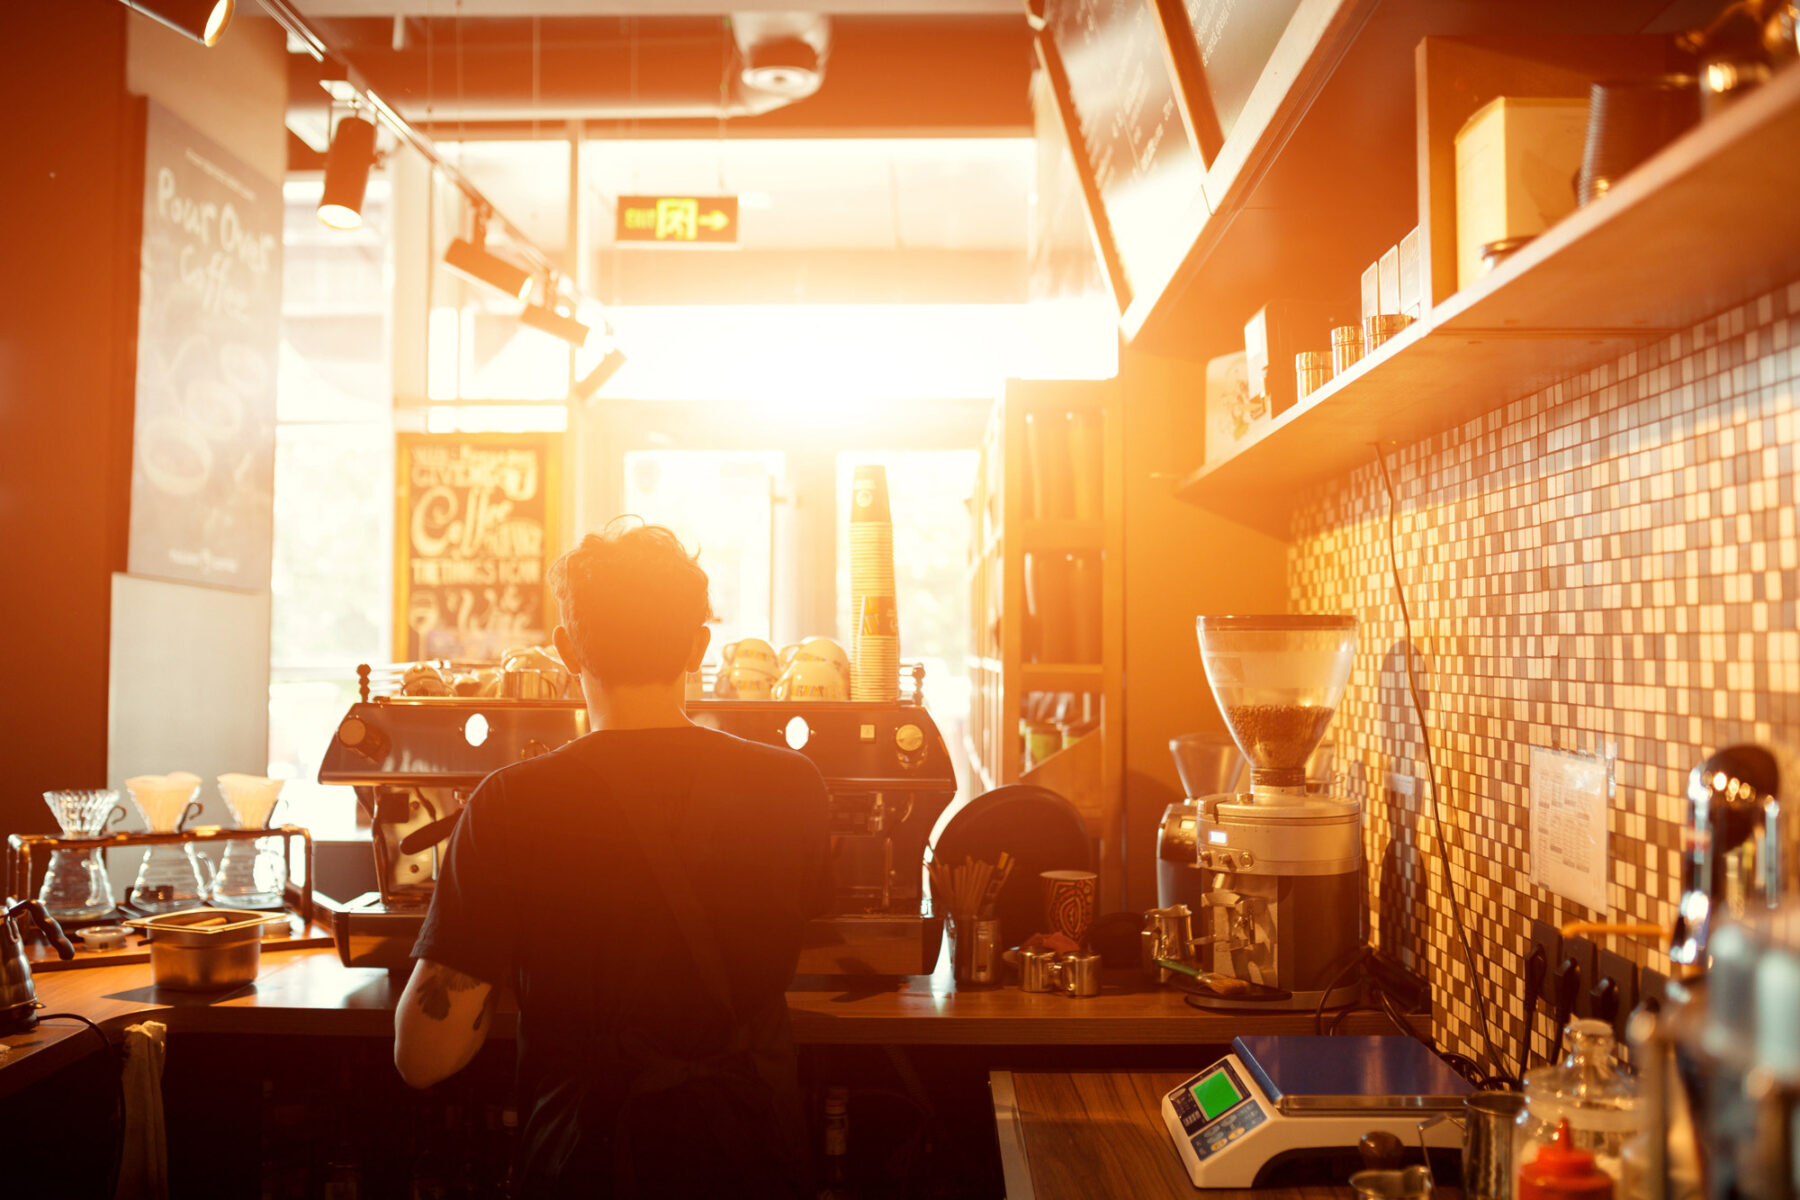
x=1166, y=934
x=1312, y=370
x=1379, y=329
x=1346, y=347
x=1037, y=970
x=975, y=949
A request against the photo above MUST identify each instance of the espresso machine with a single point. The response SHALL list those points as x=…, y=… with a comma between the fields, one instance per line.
x=1283, y=902
x=415, y=759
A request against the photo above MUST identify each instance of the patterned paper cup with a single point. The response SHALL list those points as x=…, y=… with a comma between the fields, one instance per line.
x=1070, y=898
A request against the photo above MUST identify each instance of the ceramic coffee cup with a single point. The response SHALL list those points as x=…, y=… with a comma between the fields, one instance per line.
x=818, y=649
x=1070, y=898
x=811, y=679
x=749, y=670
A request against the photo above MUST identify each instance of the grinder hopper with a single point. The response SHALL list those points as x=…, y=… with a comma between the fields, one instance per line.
x=1278, y=681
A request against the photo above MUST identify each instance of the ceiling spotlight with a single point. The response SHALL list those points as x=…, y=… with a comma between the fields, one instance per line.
x=554, y=323
x=347, y=167
x=202, y=20
x=472, y=259
x=594, y=380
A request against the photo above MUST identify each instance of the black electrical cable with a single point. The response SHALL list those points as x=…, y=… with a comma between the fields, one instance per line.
x=118, y=1082
x=1477, y=980
x=1355, y=962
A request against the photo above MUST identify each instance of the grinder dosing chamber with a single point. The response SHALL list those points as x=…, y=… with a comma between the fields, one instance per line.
x=1285, y=905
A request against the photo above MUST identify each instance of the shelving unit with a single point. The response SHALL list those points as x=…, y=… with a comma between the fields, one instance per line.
x=1088, y=772
x=1689, y=233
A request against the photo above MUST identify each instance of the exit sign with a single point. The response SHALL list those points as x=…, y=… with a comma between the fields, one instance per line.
x=678, y=220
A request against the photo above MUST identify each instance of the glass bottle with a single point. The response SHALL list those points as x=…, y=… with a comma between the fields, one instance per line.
x=76, y=886
x=251, y=874
x=174, y=875
x=837, y=1144
x=1589, y=1091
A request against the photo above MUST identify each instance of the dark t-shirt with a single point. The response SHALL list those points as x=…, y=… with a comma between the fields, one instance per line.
x=543, y=887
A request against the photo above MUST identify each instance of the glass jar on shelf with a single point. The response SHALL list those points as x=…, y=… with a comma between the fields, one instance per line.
x=1589, y=1091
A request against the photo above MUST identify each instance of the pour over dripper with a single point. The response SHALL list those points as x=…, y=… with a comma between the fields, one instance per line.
x=251, y=874
x=1278, y=681
x=174, y=875
x=76, y=886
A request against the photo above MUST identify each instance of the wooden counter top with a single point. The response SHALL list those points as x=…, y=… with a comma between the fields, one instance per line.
x=1072, y=1135
x=307, y=991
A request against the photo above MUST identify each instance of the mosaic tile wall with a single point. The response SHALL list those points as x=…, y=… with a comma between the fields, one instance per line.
x=1606, y=564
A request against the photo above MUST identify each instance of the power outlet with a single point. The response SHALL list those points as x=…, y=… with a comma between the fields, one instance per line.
x=1623, y=972
x=1653, y=987
x=1549, y=938
x=1583, y=952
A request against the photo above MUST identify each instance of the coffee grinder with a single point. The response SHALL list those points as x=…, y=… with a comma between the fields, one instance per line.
x=1285, y=904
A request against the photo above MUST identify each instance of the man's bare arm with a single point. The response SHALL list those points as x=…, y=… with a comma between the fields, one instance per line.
x=441, y=1022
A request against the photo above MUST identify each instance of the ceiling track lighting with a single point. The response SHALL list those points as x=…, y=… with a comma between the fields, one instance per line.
x=591, y=383
x=551, y=320
x=202, y=20
x=347, y=167
x=470, y=258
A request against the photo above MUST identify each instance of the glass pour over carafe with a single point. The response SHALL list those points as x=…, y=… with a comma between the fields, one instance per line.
x=251, y=874
x=76, y=886
x=174, y=875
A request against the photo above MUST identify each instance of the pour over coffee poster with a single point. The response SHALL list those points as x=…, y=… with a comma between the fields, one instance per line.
x=474, y=531
x=209, y=316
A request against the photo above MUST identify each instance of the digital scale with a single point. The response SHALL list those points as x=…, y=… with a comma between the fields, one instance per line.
x=1275, y=1100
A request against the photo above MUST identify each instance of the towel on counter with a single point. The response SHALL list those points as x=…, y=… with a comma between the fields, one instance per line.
x=144, y=1160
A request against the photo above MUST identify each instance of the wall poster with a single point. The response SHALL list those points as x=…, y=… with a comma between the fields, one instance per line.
x=209, y=326
x=474, y=532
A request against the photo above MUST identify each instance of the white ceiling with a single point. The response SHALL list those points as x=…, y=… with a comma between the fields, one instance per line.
x=808, y=194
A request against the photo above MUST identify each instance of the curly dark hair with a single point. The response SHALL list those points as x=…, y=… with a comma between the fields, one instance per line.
x=632, y=598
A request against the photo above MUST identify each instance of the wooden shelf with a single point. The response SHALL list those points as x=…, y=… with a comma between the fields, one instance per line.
x=1706, y=224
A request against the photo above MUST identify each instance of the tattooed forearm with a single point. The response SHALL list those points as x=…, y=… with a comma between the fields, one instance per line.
x=435, y=987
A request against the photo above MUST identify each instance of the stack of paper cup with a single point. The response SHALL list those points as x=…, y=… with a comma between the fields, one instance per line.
x=875, y=667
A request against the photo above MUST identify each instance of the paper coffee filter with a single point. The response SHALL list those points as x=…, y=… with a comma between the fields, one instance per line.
x=161, y=799
x=251, y=798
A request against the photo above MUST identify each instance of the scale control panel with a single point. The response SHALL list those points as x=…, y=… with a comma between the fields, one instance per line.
x=1215, y=1109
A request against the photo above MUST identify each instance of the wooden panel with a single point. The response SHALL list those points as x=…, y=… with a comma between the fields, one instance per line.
x=1101, y=1133
x=1454, y=77
x=1179, y=562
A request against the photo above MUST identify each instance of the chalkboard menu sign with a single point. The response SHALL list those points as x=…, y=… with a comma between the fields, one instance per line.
x=1130, y=132
x=1236, y=40
x=474, y=530
x=209, y=314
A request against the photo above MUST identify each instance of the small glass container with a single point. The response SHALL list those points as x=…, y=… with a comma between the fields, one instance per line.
x=1312, y=369
x=1346, y=347
x=1586, y=1089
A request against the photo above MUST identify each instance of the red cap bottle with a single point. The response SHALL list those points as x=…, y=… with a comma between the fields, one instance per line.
x=1562, y=1172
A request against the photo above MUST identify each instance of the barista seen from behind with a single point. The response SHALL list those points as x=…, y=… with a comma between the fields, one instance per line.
x=654, y=1054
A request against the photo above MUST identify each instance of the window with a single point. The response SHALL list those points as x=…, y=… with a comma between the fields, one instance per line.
x=331, y=587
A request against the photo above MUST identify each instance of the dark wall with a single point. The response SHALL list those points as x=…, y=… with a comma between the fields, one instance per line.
x=68, y=190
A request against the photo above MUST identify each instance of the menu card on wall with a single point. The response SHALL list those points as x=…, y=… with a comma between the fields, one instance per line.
x=209, y=313
x=1236, y=39
x=1133, y=136
x=474, y=530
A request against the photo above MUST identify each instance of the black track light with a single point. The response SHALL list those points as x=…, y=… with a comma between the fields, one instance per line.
x=474, y=260
x=347, y=168
x=202, y=20
x=594, y=380
x=554, y=323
